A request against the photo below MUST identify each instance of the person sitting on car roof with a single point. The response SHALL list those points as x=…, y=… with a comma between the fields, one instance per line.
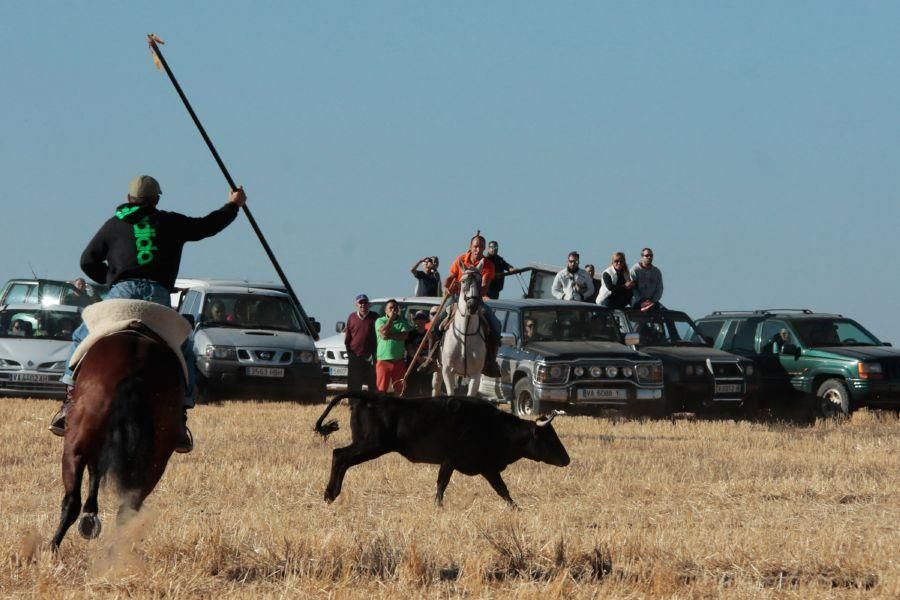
x=138, y=251
x=617, y=286
x=648, y=283
x=573, y=282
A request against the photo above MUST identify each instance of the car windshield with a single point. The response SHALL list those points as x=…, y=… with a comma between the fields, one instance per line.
x=38, y=323
x=832, y=332
x=665, y=329
x=569, y=325
x=250, y=311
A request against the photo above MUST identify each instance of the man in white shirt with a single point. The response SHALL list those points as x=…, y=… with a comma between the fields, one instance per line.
x=573, y=282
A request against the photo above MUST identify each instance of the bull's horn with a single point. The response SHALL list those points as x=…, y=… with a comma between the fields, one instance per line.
x=545, y=420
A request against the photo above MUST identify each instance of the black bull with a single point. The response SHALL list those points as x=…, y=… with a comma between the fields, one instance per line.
x=458, y=433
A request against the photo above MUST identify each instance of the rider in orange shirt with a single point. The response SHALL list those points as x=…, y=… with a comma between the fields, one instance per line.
x=470, y=259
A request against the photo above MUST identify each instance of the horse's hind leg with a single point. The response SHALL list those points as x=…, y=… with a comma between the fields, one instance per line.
x=73, y=472
x=89, y=526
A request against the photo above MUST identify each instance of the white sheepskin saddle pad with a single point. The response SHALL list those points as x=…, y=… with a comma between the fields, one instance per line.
x=112, y=316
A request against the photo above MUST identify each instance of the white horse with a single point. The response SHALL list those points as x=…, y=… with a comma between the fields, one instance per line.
x=463, y=347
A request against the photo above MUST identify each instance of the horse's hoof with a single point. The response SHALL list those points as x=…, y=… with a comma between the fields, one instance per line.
x=89, y=526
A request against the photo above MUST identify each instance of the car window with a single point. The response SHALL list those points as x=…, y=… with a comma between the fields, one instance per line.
x=501, y=317
x=740, y=336
x=20, y=293
x=775, y=334
x=52, y=293
x=512, y=325
x=829, y=331
x=710, y=329
x=250, y=311
x=39, y=323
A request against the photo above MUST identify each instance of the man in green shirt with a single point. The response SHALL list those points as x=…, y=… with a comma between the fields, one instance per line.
x=391, y=332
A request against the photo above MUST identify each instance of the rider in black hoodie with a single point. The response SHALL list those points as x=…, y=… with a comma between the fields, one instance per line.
x=138, y=251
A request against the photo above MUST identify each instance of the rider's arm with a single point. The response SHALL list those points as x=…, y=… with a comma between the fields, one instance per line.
x=93, y=257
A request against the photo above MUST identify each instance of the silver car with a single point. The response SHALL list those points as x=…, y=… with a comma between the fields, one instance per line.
x=34, y=346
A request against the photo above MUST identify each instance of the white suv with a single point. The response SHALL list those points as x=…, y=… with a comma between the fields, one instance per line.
x=251, y=340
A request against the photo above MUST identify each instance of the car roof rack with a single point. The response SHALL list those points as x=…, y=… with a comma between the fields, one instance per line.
x=762, y=311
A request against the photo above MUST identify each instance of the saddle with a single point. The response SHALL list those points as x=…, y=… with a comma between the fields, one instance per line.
x=140, y=317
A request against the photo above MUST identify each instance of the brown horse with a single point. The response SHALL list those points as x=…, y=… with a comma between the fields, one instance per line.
x=123, y=423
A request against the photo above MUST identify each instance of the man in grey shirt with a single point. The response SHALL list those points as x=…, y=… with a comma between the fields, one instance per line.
x=648, y=282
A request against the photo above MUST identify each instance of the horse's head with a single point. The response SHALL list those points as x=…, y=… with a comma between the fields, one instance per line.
x=470, y=286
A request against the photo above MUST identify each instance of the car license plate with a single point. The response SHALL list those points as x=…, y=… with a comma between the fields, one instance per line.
x=602, y=394
x=265, y=372
x=30, y=377
x=337, y=371
x=729, y=388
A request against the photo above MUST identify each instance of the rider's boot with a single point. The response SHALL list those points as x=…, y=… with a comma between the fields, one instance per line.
x=58, y=422
x=185, y=439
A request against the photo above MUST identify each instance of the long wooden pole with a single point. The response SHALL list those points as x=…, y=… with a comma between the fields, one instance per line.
x=434, y=323
x=152, y=40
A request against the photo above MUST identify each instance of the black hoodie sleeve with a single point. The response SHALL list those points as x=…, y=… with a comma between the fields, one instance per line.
x=192, y=229
x=93, y=257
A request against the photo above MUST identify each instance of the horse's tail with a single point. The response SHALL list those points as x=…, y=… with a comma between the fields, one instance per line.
x=130, y=438
x=332, y=425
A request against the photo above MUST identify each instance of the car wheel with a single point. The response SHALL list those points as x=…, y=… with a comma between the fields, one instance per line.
x=832, y=399
x=524, y=403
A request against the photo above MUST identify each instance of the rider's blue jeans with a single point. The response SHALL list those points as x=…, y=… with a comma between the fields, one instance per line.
x=140, y=289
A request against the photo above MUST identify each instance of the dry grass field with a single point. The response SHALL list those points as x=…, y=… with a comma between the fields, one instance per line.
x=646, y=509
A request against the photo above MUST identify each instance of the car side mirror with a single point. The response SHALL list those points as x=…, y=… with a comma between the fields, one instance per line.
x=509, y=339
x=790, y=349
x=340, y=326
x=316, y=325
x=632, y=339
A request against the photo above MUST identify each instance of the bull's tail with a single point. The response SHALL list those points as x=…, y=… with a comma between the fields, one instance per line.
x=331, y=426
x=130, y=436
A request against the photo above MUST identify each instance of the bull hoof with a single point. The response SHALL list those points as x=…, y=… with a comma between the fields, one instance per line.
x=328, y=497
x=89, y=526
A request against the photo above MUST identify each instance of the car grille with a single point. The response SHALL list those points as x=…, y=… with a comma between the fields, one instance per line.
x=265, y=356
x=726, y=370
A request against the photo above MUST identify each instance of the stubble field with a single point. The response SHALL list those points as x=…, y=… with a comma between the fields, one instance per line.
x=646, y=509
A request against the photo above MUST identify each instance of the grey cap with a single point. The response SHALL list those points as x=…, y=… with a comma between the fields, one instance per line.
x=144, y=187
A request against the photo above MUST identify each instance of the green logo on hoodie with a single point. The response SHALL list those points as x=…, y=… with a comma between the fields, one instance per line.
x=143, y=239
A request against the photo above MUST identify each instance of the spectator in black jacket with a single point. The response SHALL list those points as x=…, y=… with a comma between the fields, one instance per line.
x=138, y=252
x=501, y=268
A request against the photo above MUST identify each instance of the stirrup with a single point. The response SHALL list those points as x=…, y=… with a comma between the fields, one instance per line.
x=58, y=423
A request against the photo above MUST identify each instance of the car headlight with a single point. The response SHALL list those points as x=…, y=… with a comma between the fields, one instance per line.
x=749, y=370
x=612, y=371
x=59, y=365
x=579, y=371
x=307, y=357
x=321, y=353
x=870, y=370
x=552, y=373
x=596, y=372
x=652, y=373
x=627, y=371
x=220, y=352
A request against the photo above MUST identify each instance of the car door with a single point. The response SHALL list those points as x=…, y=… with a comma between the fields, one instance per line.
x=776, y=368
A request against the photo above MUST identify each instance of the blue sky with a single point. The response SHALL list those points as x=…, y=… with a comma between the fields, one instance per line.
x=754, y=146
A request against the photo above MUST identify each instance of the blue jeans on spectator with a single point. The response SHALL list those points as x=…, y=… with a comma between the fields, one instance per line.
x=140, y=289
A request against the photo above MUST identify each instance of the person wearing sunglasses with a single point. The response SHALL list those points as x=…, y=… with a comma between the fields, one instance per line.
x=648, y=282
x=359, y=339
x=573, y=282
x=617, y=286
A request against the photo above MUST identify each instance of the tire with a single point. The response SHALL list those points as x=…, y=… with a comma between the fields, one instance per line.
x=832, y=399
x=524, y=404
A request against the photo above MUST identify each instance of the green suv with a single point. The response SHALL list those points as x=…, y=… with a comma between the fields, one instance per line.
x=815, y=361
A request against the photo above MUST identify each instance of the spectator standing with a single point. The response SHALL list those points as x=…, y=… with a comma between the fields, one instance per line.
x=573, y=282
x=589, y=269
x=79, y=296
x=391, y=332
x=359, y=339
x=648, y=282
x=501, y=268
x=616, y=287
x=428, y=280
